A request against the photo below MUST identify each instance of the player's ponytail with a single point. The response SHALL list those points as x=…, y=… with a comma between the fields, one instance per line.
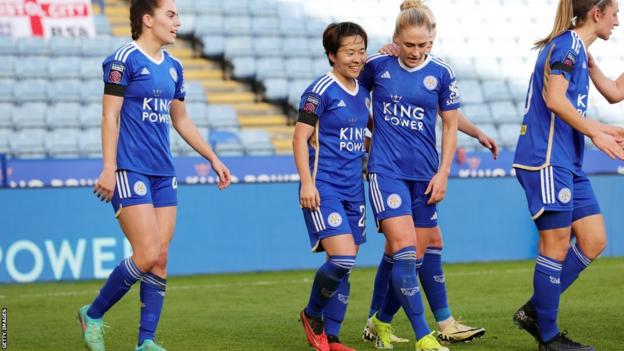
x=413, y=14
x=571, y=14
x=138, y=9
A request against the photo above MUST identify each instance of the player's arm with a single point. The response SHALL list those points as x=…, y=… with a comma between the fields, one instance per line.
x=437, y=185
x=557, y=102
x=465, y=126
x=111, y=108
x=187, y=129
x=304, y=129
x=612, y=90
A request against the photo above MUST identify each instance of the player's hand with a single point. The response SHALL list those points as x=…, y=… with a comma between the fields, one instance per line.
x=489, y=144
x=437, y=188
x=609, y=145
x=105, y=185
x=225, y=177
x=391, y=49
x=309, y=196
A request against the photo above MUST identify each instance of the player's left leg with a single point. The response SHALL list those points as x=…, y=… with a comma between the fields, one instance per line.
x=154, y=283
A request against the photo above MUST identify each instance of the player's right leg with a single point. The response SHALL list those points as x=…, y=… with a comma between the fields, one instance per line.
x=138, y=221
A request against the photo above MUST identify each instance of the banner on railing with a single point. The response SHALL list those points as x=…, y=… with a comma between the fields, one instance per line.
x=269, y=169
x=46, y=18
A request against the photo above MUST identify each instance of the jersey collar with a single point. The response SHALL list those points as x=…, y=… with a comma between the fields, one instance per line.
x=353, y=92
x=417, y=68
x=162, y=52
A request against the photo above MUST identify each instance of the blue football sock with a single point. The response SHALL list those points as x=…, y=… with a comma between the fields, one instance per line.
x=547, y=289
x=116, y=286
x=405, y=283
x=390, y=305
x=335, y=311
x=573, y=265
x=434, y=284
x=326, y=282
x=153, y=290
x=381, y=286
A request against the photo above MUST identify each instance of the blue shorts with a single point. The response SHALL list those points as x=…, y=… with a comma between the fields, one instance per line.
x=335, y=216
x=134, y=188
x=558, y=189
x=392, y=197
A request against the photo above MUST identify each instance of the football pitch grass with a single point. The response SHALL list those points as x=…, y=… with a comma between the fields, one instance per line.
x=259, y=311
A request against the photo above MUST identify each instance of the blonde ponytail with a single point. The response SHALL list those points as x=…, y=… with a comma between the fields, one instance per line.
x=563, y=22
x=413, y=14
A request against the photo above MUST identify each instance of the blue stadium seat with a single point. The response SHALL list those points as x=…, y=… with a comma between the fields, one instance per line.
x=235, y=8
x=6, y=90
x=209, y=25
x=8, y=47
x=315, y=28
x=237, y=25
x=185, y=6
x=102, y=26
x=295, y=90
x=295, y=47
x=91, y=115
x=257, y=142
x=321, y=66
x=64, y=46
x=32, y=67
x=91, y=68
x=30, y=46
x=267, y=46
x=7, y=68
x=261, y=8
x=290, y=10
x=470, y=91
x=63, y=115
x=92, y=91
x=5, y=134
x=496, y=90
x=478, y=113
x=188, y=23
x=509, y=133
x=197, y=112
x=66, y=90
x=208, y=7
x=222, y=116
x=31, y=90
x=28, y=143
x=238, y=46
x=244, y=67
x=299, y=68
x=292, y=27
x=90, y=143
x=194, y=92
x=315, y=48
x=116, y=43
x=226, y=142
x=270, y=67
x=505, y=111
x=213, y=45
x=179, y=147
x=62, y=143
x=99, y=47
x=5, y=116
x=64, y=67
x=29, y=115
x=265, y=26
x=275, y=89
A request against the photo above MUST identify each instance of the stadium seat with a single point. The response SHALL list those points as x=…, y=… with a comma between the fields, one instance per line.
x=320, y=66
x=256, y=142
x=188, y=23
x=292, y=10
x=90, y=143
x=267, y=46
x=299, y=68
x=91, y=68
x=5, y=134
x=238, y=47
x=509, y=134
x=496, y=90
x=290, y=26
x=64, y=68
x=270, y=67
x=63, y=115
x=179, y=147
x=67, y=90
x=315, y=28
x=194, y=91
x=62, y=143
x=505, y=111
x=8, y=47
x=275, y=89
x=5, y=117
x=265, y=26
x=32, y=67
x=98, y=47
x=209, y=25
x=237, y=25
x=295, y=90
x=6, y=89
x=28, y=143
x=7, y=69
x=30, y=46
x=235, y=8
x=221, y=116
x=226, y=142
x=92, y=91
x=31, y=90
x=102, y=26
x=208, y=7
x=91, y=115
x=213, y=45
x=197, y=112
x=295, y=47
x=64, y=46
x=470, y=91
x=30, y=115
x=261, y=8
x=244, y=67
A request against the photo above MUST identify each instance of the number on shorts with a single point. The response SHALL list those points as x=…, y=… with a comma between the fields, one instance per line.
x=363, y=218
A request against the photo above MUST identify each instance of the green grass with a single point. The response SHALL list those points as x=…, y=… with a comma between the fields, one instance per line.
x=259, y=311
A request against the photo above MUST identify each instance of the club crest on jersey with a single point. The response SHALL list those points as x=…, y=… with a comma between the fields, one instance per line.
x=565, y=195
x=174, y=74
x=140, y=188
x=311, y=104
x=430, y=82
x=334, y=219
x=394, y=201
x=174, y=183
x=116, y=72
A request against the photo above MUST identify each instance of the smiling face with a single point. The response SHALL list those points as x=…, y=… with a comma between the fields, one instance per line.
x=607, y=20
x=164, y=23
x=414, y=44
x=350, y=57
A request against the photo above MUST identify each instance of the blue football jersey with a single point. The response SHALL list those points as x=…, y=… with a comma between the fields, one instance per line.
x=337, y=148
x=148, y=89
x=545, y=139
x=405, y=108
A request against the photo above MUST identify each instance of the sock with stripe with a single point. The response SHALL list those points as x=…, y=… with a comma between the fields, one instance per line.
x=116, y=286
x=381, y=285
x=153, y=290
x=391, y=303
x=335, y=311
x=434, y=284
x=547, y=289
x=405, y=284
x=326, y=282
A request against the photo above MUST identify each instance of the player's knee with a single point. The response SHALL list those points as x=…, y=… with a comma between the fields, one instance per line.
x=595, y=248
x=161, y=263
x=147, y=259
